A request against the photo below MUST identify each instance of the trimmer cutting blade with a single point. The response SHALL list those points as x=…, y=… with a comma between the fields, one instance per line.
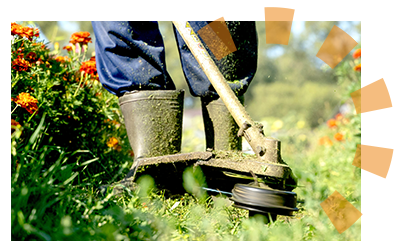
x=264, y=200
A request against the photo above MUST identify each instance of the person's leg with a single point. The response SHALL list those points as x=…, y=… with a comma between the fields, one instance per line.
x=131, y=56
x=130, y=59
x=238, y=68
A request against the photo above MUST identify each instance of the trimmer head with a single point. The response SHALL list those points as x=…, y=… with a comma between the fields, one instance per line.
x=264, y=200
x=239, y=166
x=221, y=170
x=262, y=188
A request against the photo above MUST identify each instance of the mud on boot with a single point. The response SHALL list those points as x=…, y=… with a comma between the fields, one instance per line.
x=153, y=121
x=219, y=126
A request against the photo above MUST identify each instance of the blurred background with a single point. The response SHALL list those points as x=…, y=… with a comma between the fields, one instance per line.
x=291, y=84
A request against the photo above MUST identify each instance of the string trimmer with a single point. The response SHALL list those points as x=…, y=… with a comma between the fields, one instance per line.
x=261, y=185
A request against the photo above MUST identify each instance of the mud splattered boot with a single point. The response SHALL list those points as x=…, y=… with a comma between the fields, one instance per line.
x=153, y=121
x=220, y=127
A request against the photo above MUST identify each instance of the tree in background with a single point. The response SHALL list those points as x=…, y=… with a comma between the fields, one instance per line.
x=296, y=83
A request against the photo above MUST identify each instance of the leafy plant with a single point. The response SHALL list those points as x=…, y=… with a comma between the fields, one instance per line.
x=80, y=114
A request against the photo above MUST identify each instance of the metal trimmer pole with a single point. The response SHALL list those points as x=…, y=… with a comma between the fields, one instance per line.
x=267, y=149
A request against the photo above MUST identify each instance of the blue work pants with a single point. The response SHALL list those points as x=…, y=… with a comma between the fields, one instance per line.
x=131, y=56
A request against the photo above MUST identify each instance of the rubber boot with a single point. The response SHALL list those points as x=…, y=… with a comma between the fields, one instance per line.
x=153, y=121
x=219, y=126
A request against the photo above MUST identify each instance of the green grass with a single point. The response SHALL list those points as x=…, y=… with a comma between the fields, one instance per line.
x=51, y=201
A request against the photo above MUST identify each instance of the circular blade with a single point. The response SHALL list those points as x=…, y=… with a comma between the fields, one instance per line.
x=263, y=199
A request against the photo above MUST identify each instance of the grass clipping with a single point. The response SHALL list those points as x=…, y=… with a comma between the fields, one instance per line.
x=237, y=156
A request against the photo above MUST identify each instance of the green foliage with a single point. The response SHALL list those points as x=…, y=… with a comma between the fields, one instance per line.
x=59, y=157
x=310, y=101
x=78, y=113
x=193, y=180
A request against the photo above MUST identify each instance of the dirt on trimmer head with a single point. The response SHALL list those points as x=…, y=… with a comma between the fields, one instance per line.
x=222, y=170
x=265, y=171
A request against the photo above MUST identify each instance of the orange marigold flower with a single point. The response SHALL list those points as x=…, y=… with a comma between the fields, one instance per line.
x=117, y=124
x=16, y=29
x=331, y=123
x=112, y=142
x=31, y=57
x=338, y=137
x=31, y=32
x=357, y=68
x=325, y=141
x=114, y=122
x=80, y=37
x=62, y=59
x=59, y=59
x=338, y=117
x=20, y=64
x=357, y=53
x=22, y=31
x=89, y=67
x=26, y=101
x=68, y=48
x=14, y=125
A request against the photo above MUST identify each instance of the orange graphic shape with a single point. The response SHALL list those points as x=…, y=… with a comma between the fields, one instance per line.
x=375, y=160
x=218, y=39
x=221, y=29
x=278, y=32
x=278, y=14
x=335, y=47
x=374, y=96
x=357, y=157
x=340, y=212
x=221, y=19
x=356, y=96
x=278, y=23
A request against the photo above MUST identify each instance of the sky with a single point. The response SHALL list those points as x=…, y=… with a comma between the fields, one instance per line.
x=69, y=26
